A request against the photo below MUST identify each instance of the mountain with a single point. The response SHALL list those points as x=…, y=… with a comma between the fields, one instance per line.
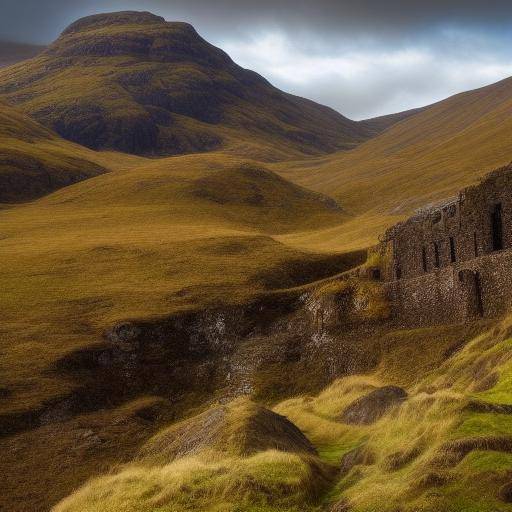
x=34, y=161
x=11, y=52
x=132, y=82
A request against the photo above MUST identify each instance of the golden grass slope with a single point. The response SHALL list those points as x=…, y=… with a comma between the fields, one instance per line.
x=428, y=156
x=446, y=447
x=147, y=241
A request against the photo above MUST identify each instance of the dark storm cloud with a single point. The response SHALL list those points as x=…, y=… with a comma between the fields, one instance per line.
x=362, y=57
x=41, y=20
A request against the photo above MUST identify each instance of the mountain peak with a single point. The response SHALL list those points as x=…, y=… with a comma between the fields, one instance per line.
x=113, y=18
x=153, y=87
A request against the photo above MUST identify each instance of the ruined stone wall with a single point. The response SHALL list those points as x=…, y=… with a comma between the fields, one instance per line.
x=453, y=262
x=454, y=294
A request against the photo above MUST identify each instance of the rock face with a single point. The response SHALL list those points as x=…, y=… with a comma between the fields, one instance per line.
x=274, y=347
x=147, y=86
x=369, y=408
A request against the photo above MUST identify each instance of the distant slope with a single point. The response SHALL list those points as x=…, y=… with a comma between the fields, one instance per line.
x=148, y=86
x=422, y=158
x=11, y=52
x=381, y=123
x=35, y=161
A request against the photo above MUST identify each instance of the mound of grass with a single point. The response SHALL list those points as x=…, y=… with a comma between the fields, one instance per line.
x=240, y=428
x=237, y=457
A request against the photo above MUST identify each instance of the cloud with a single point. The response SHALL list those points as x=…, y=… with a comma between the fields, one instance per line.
x=361, y=57
x=372, y=80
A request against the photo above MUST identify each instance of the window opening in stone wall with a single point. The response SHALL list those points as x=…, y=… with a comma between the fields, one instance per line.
x=475, y=243
x=497, y=228
x=436, y=255
x=478, y=294
x=424, y=258
x=453, y=252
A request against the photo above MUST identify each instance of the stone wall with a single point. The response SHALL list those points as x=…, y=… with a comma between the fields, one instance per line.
x=452, y=262
x=454, y=294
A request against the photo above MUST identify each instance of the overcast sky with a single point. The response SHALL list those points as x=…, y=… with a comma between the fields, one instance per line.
x=362, y=57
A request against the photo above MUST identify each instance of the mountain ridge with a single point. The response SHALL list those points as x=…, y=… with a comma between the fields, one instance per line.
x=153, y=87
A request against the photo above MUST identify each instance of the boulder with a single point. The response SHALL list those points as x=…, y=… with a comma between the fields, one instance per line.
x=369, y=408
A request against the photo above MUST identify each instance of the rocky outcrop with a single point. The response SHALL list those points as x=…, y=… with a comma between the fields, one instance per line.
x=273, y=347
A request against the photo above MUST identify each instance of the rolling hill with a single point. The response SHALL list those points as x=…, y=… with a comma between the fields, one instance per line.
x=148, y=86
x=34, y=161
x=422, y=158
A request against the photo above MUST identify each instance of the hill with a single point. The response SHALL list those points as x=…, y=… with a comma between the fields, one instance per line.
x=35, y=161
x=153, y=87
x=419, y=160
x=154, y=240
x=11, y=52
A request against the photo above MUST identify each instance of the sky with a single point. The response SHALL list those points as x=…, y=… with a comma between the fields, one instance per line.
x=363, y=58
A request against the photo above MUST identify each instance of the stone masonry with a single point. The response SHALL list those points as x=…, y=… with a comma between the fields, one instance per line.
x=453, y=262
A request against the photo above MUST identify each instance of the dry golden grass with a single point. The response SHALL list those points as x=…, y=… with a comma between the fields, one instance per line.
x=408, y=457
x=424, y=158
x=233, y=468
x=138, y=243
x=407, y=462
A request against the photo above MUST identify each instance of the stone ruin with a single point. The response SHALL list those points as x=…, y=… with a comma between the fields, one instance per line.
x=452, y=262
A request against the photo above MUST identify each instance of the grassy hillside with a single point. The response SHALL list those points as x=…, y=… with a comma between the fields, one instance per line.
x=35, y=161
x=139, y=243
x=11, y=52
x=155, y=87
x=149, y=239
x=446, y=446
x=423, y=158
